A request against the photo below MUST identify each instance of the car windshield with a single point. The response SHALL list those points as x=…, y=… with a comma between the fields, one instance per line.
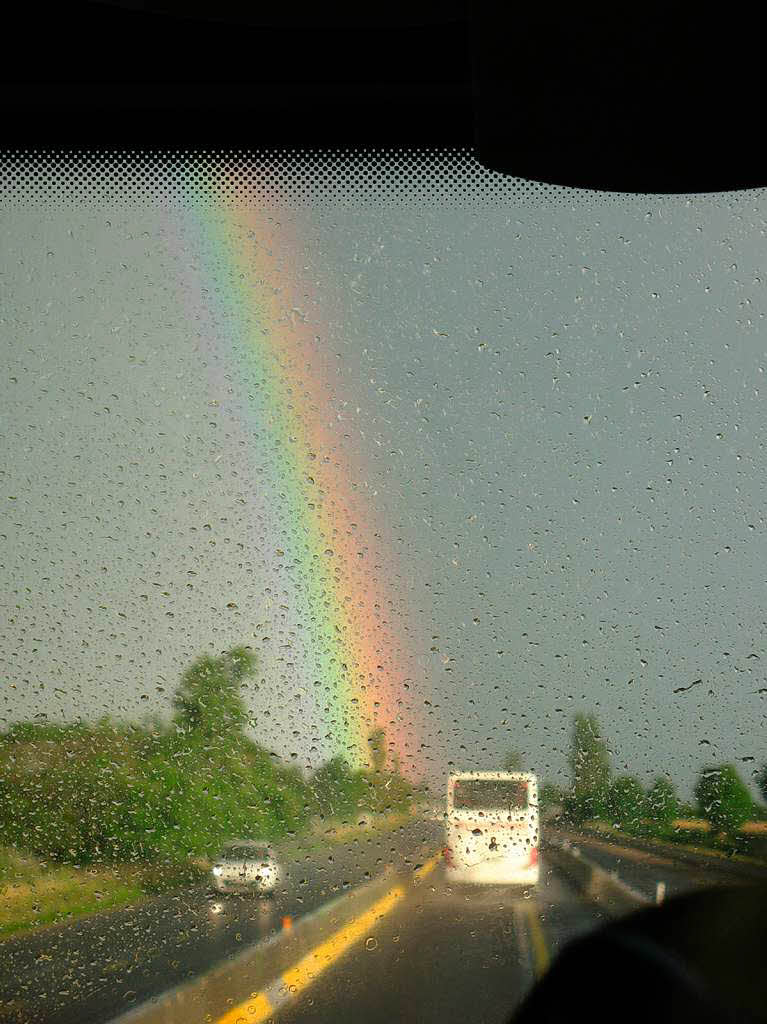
x=325, y=481
x=473, y=794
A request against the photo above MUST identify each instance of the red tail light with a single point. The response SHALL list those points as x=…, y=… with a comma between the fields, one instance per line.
x=447, y=853
x=533, y=856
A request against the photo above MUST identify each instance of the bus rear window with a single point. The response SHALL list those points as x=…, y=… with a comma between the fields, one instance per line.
x=476, y=794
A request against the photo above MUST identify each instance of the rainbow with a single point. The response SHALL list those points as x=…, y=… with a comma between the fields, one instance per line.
x=249, y=274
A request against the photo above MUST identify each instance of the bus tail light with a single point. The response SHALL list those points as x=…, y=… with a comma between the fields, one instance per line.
x=447, y=853
x=533, y=856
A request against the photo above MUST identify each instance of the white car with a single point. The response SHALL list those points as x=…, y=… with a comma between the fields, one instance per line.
x=246, y=865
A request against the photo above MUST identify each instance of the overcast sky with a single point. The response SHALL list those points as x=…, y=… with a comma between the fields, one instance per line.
x=560, y=419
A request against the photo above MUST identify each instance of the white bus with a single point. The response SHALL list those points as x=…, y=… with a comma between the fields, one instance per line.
x=493, y=829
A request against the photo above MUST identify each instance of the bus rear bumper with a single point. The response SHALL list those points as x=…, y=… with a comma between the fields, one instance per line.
x=494, y=872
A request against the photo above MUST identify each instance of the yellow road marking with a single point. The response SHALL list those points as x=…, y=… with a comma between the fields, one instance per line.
x=307, y=969
x=540, y=949
x=420, y=873
x=257, y=1009
x=263, y=1004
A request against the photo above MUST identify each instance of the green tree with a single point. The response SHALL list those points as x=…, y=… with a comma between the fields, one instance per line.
x=512, y=762
x=723, y=798
x=378, y=751
x=688, y=810
x=761, y=781
x=590, y=770
x=625, y=802
x=385, y=794
x=337, y=790
x=551, y=800
x=387, y=790
x=209, y=701
x=76, y=792
x=104, y=791
x=662, y=805
x=551, y=795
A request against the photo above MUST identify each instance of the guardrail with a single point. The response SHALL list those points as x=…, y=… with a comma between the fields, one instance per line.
x=605, y=888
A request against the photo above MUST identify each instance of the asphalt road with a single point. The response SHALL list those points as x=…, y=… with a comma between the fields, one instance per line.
x=456, y=954
x=92, y=970
x=448, y=955
x=441, y=954
x=643, y=870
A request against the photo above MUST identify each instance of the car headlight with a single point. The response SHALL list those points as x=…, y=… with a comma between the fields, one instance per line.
x=217, y=870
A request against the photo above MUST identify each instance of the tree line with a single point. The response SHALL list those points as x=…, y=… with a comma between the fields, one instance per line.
x=721, y=797
x=117, y=792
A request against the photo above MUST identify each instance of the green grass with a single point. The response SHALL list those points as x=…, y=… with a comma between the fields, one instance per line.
x=34, y=893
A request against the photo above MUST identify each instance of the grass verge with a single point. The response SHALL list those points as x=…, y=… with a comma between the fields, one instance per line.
x=34, y=893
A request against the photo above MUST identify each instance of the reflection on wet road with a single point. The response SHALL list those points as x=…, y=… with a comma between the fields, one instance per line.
x=441, y=954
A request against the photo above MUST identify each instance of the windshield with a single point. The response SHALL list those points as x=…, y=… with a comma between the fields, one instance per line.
x=322, y=484
x=476, y=794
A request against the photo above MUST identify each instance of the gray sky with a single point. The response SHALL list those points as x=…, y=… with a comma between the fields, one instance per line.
x=560, y=428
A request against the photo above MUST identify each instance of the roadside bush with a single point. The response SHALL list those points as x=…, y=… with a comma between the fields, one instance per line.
x=661, y=806
x=626, y=804
x=166, y=793
x=88, y=797
x=724, y=799
x=551, y=797
x=586, y=805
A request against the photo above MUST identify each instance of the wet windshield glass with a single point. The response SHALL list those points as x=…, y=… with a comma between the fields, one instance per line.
x=325, y=481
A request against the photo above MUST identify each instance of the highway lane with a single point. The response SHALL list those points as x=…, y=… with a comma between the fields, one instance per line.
x=89, y=971
x=443, y=954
